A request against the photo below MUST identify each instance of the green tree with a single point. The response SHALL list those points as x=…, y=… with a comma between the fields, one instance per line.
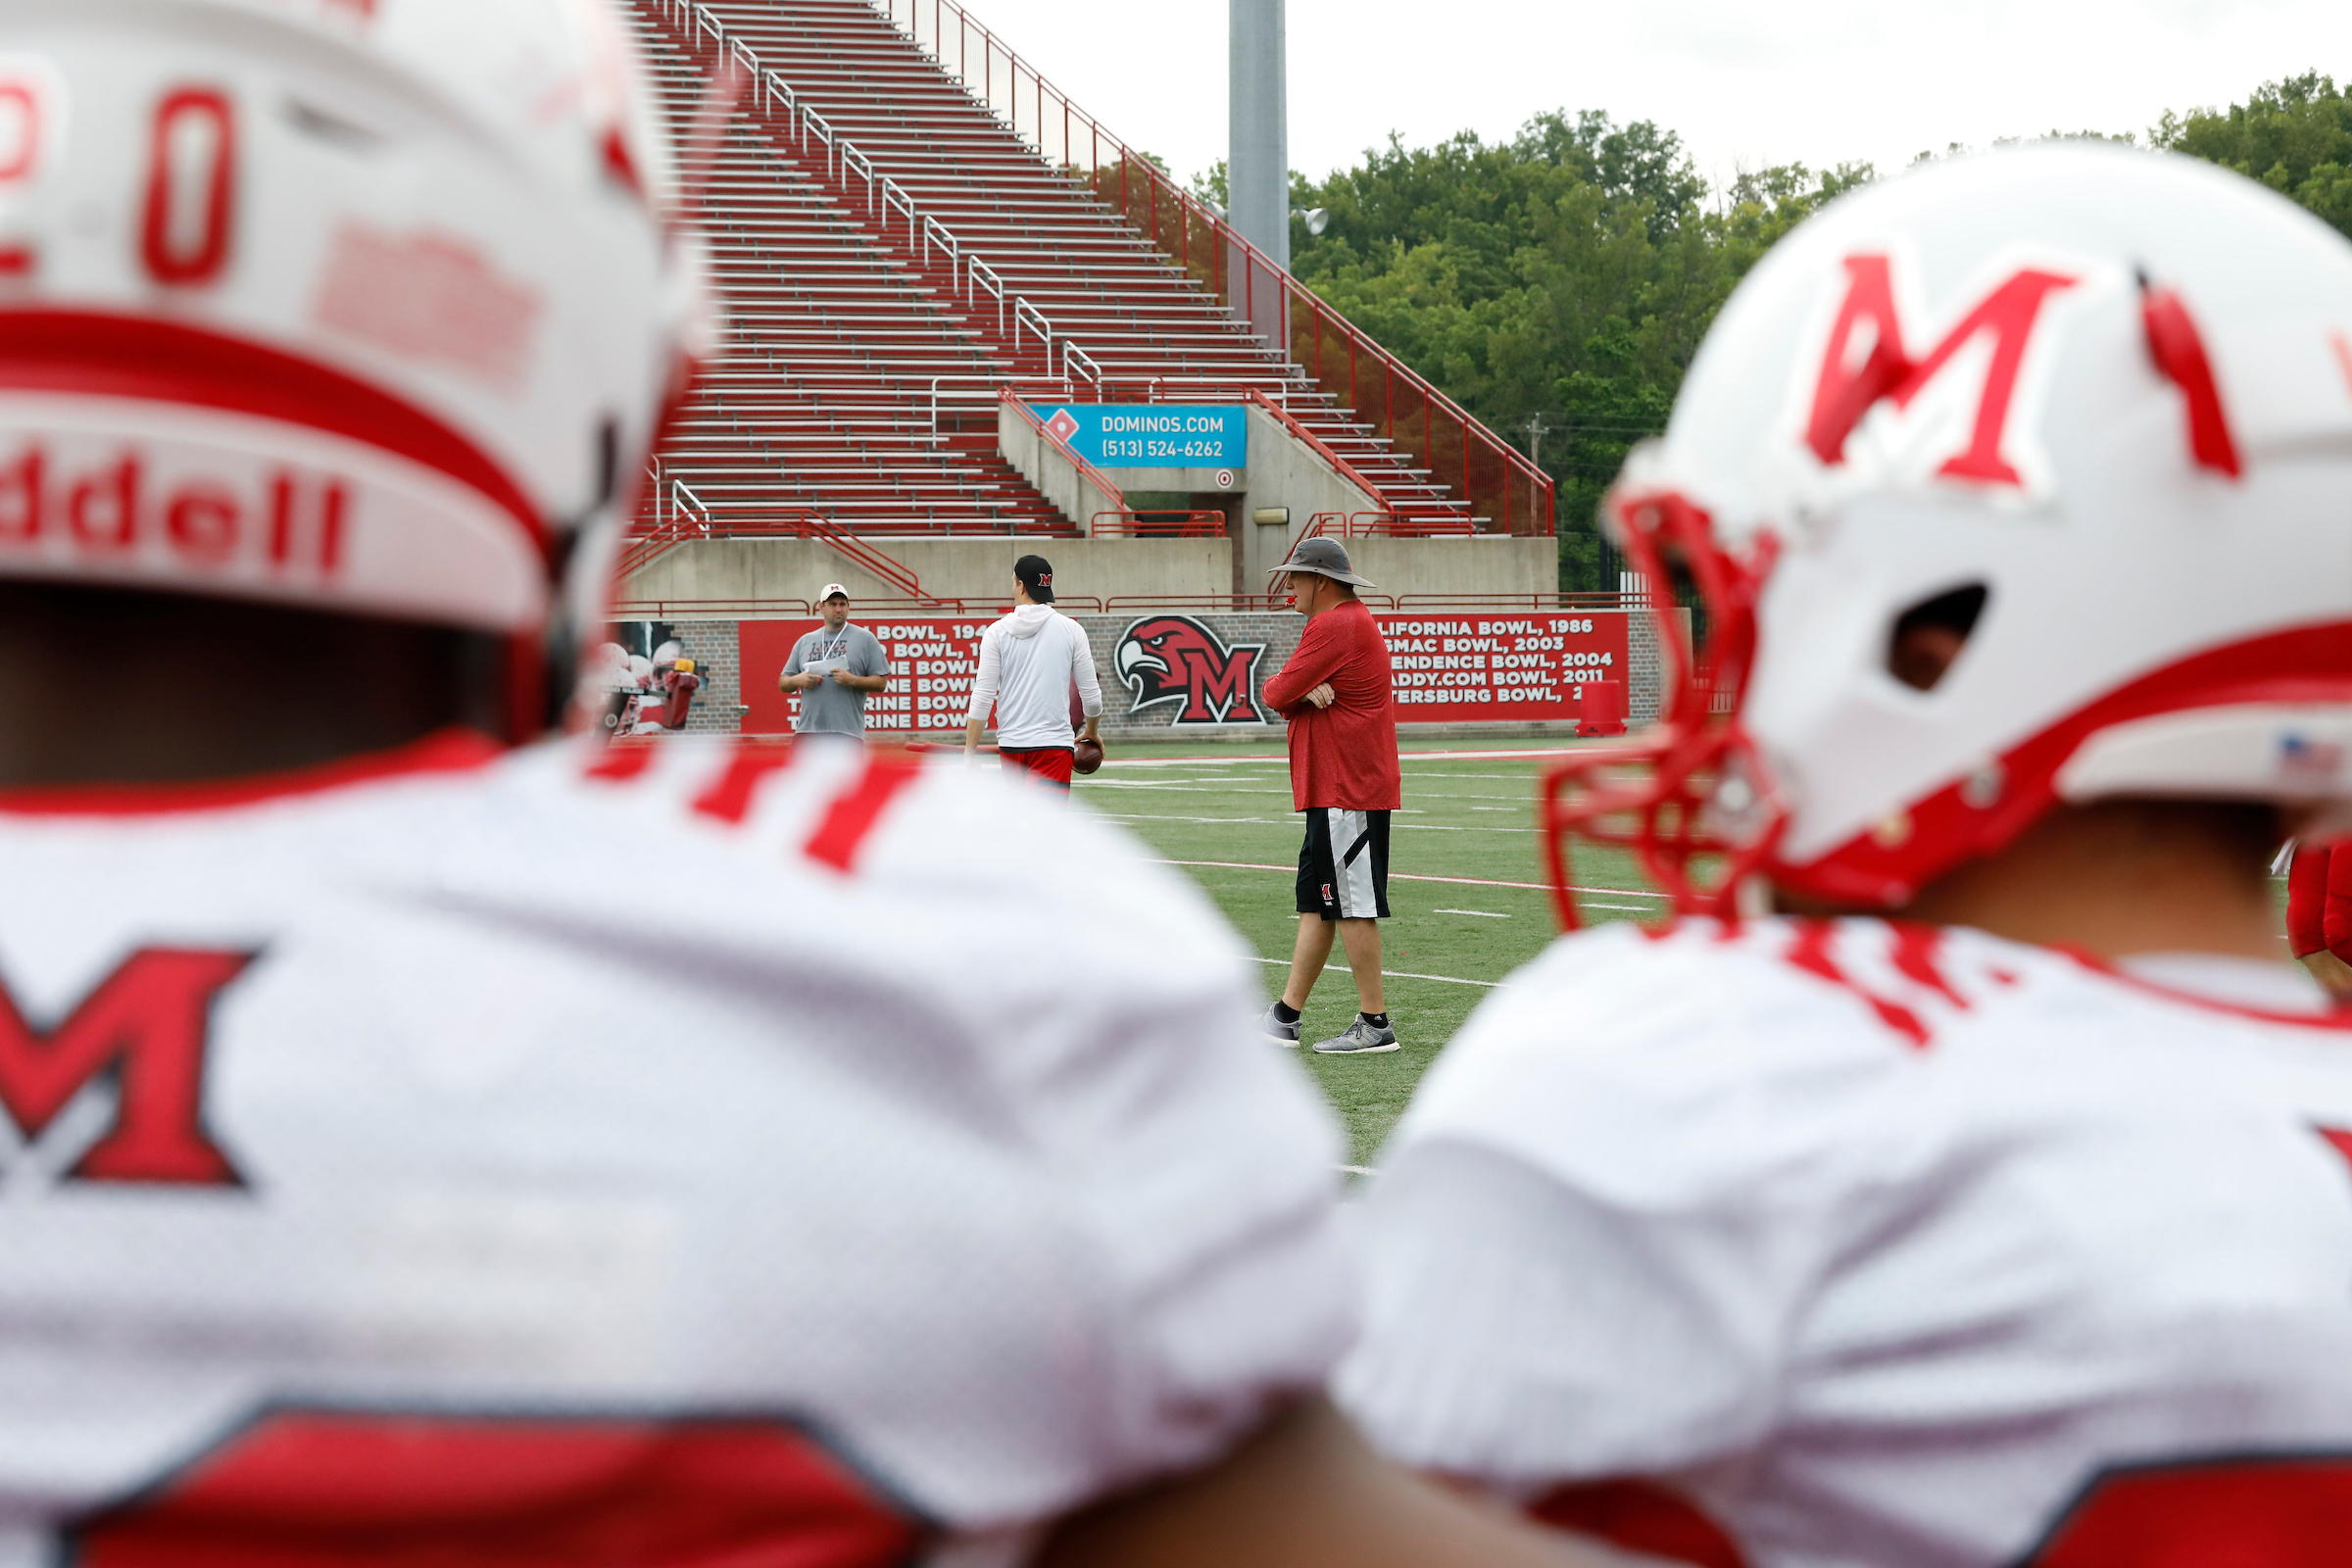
x=1560, y=280
x=2295, y=135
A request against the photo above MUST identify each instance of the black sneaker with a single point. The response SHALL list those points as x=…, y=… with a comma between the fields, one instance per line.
x=1362, y=1038
x=1276, y=1031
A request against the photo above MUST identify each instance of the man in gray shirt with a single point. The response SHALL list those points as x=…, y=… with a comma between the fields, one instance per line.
x=833, y=669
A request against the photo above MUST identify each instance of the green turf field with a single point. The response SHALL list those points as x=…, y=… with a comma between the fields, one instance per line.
x=1466, y=817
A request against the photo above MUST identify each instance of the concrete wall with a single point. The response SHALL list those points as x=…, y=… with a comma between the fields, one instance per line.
x=1286, y=472
x=1482, y=563
x=752, y=570
x=743, y=571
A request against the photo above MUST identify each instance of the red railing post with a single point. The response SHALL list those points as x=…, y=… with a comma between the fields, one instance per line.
x=1462, y=421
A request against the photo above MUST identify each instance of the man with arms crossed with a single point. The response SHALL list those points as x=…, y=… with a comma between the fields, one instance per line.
x=835, y=669
x=1335, y=690
x=1028, y=662
x=1989, y=1204
x=376, y=1192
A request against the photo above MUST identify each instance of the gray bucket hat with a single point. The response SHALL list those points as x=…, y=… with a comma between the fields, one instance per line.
x=1324, y=557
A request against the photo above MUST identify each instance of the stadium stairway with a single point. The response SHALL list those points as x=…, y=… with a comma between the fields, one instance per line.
x=820, y=399
x=893, y=256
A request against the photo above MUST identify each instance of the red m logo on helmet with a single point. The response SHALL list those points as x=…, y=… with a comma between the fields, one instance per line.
x=145, y=1028
x=1847, y=390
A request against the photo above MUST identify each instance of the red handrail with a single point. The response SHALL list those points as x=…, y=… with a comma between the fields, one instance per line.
x=755, y=608
x=1076, y=603
x=1095, y=478
x=1130, y=524
x=888, y=569
x=1315, y=444
x=1484, y=469
x=651, y=542
x=1532, y=603
x=657, y=537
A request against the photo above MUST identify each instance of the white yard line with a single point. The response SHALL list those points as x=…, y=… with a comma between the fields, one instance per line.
x=1190, y=761
x=1284, y=757
x=1410, y=876
x=1397, y=974
x=1269, y=821
x=1490, y=915
x=1180, y=788
x=1525, y=801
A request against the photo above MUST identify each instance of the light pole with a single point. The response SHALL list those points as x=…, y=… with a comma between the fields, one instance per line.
x=1257, y=160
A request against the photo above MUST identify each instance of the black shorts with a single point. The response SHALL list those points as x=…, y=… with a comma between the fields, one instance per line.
x=1344, y=864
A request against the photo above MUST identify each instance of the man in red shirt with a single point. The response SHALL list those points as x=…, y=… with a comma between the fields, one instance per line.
x=1344, y=775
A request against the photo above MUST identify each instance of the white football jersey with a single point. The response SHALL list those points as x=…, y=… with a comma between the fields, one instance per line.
x=694, y=1153
x=1850, y=1244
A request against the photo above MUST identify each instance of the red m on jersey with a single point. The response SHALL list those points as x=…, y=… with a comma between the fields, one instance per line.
x=147, y=1023
x=1847, y=391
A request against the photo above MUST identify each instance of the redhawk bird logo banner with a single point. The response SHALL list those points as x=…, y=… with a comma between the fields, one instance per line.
x=1175, y=659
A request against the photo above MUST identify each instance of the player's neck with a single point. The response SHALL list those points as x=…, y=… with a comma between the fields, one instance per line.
x=124, y=688
x=2123, y=877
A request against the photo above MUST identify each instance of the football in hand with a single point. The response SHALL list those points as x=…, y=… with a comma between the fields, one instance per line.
x=1086, y=755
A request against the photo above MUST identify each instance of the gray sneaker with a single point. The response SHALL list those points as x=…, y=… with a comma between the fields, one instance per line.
x=1275, y=1030
x=1359, y=1039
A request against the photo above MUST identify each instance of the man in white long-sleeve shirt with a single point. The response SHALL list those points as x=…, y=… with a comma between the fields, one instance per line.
x=1028, y=662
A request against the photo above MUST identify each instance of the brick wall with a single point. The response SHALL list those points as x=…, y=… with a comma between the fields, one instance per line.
x=711, y=645
x=718, y=708
x=1276, y=632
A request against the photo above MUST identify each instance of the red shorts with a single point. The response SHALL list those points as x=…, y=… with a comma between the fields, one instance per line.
x=1049, y=763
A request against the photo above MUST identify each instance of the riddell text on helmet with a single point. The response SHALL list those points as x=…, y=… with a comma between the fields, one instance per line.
x=329, y=522
x=124, y=507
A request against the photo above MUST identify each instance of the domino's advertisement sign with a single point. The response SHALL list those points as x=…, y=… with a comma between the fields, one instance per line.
x=1151, y=435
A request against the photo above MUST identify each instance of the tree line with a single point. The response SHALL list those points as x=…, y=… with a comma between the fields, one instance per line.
x=1556, y=285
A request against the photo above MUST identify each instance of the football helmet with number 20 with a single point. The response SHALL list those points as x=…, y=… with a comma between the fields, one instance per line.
x=369, y=306
x=2094, y=402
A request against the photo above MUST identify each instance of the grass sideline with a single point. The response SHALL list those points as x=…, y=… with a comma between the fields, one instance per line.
x=1225, y=811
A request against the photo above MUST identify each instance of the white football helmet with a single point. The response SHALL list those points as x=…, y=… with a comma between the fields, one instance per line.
x=370, y=306
x=2090, y=407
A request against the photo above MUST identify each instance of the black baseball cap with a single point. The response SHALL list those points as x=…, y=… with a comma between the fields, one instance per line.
x=1037, y=575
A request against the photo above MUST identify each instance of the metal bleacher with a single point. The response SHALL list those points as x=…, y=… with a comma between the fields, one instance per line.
x=897, y=250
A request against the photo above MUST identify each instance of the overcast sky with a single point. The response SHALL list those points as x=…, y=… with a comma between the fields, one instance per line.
x=1744, y=85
